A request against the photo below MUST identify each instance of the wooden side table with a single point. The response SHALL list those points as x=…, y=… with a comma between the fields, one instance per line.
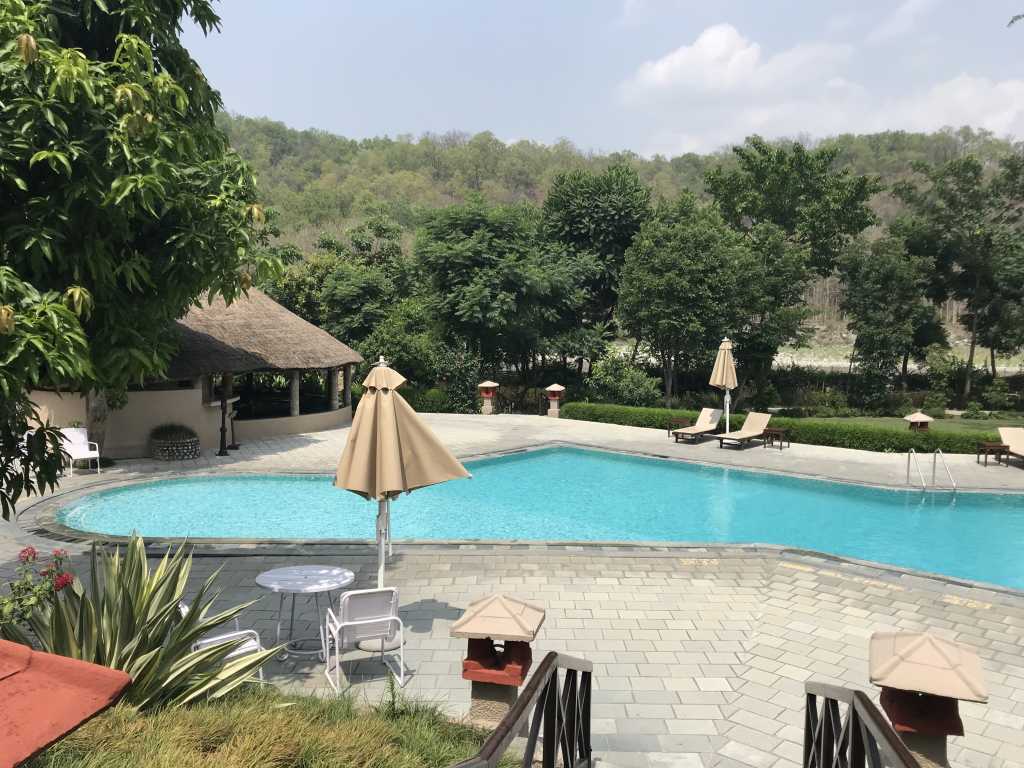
x=986, y=449
x=773, y=435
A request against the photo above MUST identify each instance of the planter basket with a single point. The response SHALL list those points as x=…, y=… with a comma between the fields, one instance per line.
x=175, y=450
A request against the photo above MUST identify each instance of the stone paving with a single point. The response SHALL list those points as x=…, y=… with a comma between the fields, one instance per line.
x=700, y=653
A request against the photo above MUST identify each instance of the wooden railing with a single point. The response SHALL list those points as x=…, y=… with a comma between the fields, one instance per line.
x=561, y=712
x=848, y=731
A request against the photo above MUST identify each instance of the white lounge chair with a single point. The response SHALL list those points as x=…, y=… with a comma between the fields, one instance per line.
x=251, y=640
x=1013, y=439
x=752, y=429
x=79, y=446
x=707, y=422
x=364, y=615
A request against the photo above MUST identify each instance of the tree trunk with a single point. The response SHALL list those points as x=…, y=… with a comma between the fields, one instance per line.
x=970, y=358
x=992, y=360
x=636, y=348
x=668, y=370
x=905, y=372
x=97, y=411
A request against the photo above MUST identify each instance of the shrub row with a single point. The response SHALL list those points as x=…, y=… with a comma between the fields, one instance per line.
x=831, y=432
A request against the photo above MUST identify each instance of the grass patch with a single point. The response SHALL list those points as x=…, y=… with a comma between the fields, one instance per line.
x=261, y=728
x=939, y=425
x=861, y=433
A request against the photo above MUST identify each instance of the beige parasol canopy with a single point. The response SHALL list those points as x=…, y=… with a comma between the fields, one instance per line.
x=921, y=662
x=391, y=450
x=723, y=375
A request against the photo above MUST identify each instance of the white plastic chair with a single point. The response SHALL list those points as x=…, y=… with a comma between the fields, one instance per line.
x=78, y=446
x=363, y=615
x=251, y=644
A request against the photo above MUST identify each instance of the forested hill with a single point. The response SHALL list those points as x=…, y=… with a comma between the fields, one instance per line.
x=320, y=182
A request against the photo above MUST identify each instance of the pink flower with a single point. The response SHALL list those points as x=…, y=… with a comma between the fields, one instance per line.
x=60, y=554
x=62, y=580
x=28, y=555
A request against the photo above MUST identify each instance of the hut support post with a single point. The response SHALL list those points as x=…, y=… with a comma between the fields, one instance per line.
x=332, y=389
x=228, y=382
x=223, y=417
x=346, y=392
x=296, y=380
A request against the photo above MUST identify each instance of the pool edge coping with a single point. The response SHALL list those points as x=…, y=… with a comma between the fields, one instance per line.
x=48, y=527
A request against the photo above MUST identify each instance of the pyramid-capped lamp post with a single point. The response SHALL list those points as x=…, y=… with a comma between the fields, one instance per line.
x=499, y=630
x=923, y=678
x=918, y=421
x=555, y=393
x=488, y=389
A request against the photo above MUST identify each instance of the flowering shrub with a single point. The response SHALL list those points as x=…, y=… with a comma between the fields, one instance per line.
x=37, y=583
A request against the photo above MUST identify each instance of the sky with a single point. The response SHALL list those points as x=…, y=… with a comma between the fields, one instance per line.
x=650, y=76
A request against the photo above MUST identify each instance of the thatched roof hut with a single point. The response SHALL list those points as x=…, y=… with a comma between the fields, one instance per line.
x=253, y=333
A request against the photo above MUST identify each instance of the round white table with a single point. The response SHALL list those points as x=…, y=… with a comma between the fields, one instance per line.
x=297, y=580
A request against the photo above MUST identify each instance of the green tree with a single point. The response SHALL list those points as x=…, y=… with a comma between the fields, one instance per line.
x=797, y=189
x=681, y=288
x=599, y=214
x=41, y=344
x=885, y=301
x=960, y=215
x=772, y=294
x=496, y=284
x=117, y=190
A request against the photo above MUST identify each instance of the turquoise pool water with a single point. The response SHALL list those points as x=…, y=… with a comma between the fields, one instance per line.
x=572, y=494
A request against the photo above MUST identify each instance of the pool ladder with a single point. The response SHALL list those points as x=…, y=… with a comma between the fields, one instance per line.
x=936, y=455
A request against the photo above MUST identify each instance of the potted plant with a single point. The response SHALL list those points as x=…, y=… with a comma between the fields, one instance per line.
x=173, y=442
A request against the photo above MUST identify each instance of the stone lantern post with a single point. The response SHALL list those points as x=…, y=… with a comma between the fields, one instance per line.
x=499, y=629
x=923, y=678
x=555, y=393
x=488, y=389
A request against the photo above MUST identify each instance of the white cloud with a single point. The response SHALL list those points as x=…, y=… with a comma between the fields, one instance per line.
x=722, y=60
x=722, y=87
x=901, y=21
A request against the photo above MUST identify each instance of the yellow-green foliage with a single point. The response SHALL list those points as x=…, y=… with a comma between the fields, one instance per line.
x=260, y=728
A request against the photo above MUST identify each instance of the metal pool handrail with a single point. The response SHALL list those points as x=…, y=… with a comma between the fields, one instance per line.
x=935, y=461
x=913, y=454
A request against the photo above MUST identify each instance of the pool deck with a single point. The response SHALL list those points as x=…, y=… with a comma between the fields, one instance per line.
x=700, y=652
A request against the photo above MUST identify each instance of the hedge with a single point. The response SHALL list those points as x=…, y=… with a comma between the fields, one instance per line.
x=831, y=432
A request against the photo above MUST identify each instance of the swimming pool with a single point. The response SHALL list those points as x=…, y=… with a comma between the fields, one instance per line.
x=571, y=494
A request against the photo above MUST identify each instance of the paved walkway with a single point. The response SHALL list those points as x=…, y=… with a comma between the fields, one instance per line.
x=700, y=653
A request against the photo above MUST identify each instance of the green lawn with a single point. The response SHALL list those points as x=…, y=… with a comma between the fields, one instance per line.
x=264, y=729
x=946, y=425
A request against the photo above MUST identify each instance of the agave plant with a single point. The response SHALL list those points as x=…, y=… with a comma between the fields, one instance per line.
x=128, y=618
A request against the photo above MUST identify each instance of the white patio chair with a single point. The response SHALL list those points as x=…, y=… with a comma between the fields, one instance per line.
x=363, y=615
x=251, y=644
x=79, y=446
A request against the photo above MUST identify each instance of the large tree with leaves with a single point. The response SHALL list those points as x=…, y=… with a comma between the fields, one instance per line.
x=681, y=285
x=497, y=284
x=598, y=214
x=964, y=218
x=118, y=193
x=886, y=302
x=797, y=189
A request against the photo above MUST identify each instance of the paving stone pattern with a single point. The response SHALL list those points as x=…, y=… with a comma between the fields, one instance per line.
x=700, y=654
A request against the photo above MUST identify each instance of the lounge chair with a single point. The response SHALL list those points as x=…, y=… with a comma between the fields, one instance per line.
x=707, y=422
x=753, y=429
x=250, y=638
x=1013, y=438
x=364, y=616
x=78, y=446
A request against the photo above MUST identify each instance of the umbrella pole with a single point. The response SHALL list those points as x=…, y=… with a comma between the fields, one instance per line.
x=728, y=402
x=383, y=509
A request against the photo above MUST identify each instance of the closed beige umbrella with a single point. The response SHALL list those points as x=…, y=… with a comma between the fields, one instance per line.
x=390, y=450
x=723, y=375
